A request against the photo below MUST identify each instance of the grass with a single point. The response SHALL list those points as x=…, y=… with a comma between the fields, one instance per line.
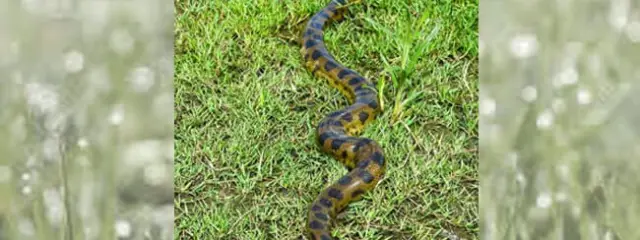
x=247, y=166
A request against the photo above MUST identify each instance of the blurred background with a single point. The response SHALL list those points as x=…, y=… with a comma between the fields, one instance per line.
x=86, y=148
x=558, y=119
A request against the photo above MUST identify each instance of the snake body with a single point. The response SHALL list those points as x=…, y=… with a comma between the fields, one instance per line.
x=363, y=157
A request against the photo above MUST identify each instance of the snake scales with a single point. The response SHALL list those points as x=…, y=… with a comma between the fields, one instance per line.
x=336, y=133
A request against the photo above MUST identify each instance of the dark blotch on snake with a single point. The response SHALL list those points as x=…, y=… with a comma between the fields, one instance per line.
x=324, y=136
x=326, y=202
x=330, y=122
x=316, y=225
x=356, y=81
x=344, y=72
x=372, y=103
x=366, y=176
x=316, y=208
x=336, y=123
x=363, y=164
x=316, y=54
x=378, y=158
x=316, y=24
x=330, y=66
x=361, y=143
x=337, y=143
x=347, y=117
x=322, y=216
x=335, y=193
x=309, y=32
x=363, y=116
x=310, y=43
x=345, y=180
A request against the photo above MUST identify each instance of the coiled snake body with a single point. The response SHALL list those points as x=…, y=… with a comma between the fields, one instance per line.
x=363, y=157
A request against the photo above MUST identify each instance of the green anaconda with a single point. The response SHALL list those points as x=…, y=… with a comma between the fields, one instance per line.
x=336, y=133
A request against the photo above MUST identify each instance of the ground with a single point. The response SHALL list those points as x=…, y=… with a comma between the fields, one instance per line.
x=247, y=165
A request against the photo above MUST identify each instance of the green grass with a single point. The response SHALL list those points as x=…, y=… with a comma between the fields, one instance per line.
x=247, y=166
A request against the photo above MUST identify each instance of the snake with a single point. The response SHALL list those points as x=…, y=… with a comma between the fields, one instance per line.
x=337, y=132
